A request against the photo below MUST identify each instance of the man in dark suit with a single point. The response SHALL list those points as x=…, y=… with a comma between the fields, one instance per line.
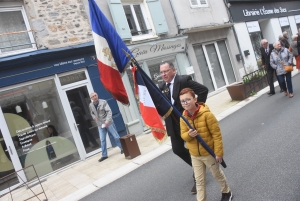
x=171, y=87
x=266, y=50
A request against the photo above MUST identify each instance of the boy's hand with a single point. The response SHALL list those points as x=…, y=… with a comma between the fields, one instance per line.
x=219, y=159
x=193, y=133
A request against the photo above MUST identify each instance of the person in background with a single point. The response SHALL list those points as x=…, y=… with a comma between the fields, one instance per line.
x=286, y=38
x=280, y=57
x=206, y=126
x=83, y=128
x=171, y=87
x=266, y=50
x=284, y=42
x=52, y=131
x=295, y=51
x=102, y=114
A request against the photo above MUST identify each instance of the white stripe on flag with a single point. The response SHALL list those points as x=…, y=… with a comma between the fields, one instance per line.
x=145, y=97
x=103, y=55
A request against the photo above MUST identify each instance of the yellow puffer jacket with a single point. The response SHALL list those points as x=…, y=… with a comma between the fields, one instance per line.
x=208, y=128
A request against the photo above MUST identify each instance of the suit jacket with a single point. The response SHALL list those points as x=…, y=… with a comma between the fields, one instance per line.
x=265, y=58
x=181, y=82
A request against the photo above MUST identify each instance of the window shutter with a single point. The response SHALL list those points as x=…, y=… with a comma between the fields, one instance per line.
x=158, y=17
x=119, y=18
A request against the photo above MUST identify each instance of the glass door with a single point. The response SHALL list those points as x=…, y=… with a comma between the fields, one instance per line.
x=79, y=100
x=9, y=163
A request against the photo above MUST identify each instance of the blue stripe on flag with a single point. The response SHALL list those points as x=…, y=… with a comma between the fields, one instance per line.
x=102, y=27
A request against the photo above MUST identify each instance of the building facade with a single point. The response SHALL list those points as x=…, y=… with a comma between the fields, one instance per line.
x=47, y=71
x=255, y=20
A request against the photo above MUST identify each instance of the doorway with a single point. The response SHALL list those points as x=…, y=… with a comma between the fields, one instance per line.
x=86, y=127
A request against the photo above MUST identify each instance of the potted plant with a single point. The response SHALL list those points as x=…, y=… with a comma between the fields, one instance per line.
x=251, y=84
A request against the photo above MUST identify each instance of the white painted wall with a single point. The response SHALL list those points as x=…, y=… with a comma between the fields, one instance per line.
x=293, y=24
x=214, y=14
x=267, y=31
x=276, y=28
x=245, y=44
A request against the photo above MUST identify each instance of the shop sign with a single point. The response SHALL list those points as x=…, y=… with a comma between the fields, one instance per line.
x=297, y=19
x=253, y=26
x=152, y=50
x=262, y=10
x=76, y=77
x=284, y=21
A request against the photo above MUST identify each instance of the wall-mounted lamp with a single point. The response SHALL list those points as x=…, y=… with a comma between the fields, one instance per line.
x=44, y=104
x=238, y=57
x=18, y=109
x=246, y=53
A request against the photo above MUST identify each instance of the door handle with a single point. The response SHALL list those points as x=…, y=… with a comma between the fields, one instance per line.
x=10, y=150
x=75, y=126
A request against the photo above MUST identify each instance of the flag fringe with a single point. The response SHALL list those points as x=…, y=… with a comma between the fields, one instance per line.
x=160, y=131
x=167, y=114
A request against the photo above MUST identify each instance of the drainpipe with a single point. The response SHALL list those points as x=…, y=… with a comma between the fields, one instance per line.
x=234, y=32
x=176, y=19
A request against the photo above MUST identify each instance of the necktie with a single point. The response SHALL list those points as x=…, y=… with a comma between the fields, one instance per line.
x=168, y=91
x=267, y=51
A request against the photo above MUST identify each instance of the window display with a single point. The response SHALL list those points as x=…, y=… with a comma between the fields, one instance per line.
x=38, y=127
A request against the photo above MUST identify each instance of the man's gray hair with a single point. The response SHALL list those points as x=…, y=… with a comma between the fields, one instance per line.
x=263, y=41
x=279, y=37
x=93, y=93
x=285, y=32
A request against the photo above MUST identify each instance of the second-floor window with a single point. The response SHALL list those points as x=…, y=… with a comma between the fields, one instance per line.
x=136, y=18
x=15, y=33
x=198, y=3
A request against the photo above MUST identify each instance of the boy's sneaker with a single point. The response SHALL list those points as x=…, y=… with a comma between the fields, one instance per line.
x=227, y=196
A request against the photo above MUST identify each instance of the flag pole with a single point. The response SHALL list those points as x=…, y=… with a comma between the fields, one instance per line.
x=200, y=140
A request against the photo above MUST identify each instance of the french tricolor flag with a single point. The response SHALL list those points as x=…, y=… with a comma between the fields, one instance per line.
x=110, y=56
x=147, y=94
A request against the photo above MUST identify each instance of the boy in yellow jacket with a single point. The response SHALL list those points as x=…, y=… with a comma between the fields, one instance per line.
x=206, y=125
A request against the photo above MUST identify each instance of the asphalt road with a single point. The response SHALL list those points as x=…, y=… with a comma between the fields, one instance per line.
x=262, y=152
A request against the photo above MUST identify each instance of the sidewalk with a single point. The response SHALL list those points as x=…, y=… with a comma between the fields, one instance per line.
x=84, y=177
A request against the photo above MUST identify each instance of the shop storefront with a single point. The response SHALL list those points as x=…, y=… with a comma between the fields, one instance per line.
x=150, y=55
x=255, y=20
x=44, y=112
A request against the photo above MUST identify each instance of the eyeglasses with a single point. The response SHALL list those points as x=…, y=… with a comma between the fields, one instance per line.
x=93, y=96
x=164, y=72
x=186, y=101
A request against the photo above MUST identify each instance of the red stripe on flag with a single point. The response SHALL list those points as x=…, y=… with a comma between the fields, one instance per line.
x=152, y=120
x=112, y=81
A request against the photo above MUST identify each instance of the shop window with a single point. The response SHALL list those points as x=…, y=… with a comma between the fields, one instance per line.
x=132, y=21
x=255, y=38
x=15, y=32
x=38, y=127
x=198, y=3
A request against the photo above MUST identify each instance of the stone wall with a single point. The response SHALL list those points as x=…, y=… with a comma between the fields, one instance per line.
x=58, y=23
